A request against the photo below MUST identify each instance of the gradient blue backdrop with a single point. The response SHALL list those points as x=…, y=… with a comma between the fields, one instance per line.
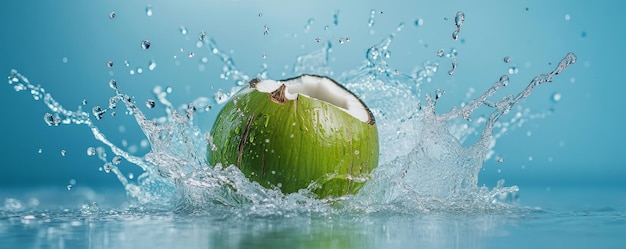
x=581, y=143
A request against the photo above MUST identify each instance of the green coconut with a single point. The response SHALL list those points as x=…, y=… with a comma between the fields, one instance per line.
x=303, y=132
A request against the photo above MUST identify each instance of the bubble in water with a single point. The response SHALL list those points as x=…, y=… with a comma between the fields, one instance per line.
x=91, y=151
x=183, y=30
x=507, y=59
x=556, y=97
x=145, y=44
x=112, y=15
x=150, y=103
x=149, y=10
x=63, y=152
x=109, y=63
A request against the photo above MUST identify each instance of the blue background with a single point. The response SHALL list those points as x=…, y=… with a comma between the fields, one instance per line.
x=580, y=144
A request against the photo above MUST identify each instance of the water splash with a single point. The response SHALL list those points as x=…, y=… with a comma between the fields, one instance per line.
x=424, y=165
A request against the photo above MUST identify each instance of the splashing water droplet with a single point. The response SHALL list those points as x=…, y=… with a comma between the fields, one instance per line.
x=504, y=80
x=51, y=120
x=440, y=53
x=150, y=103
x=183, y=30
x=459, y=18
x=513, y=70
x=111, y=15
x=419, y=22
x=499, y=159
x=113, y=84
x=69, y=187
x=556, y=97
x=371, y=21
x=454, y=66
x=507, y=59
x=455, y=34
x=91, y=151
x=149, y=10
x=191, y=55
x=40, y=151
x=109, y=63
x=63, y=152
x=98, y=112
x=145, y=44
x=202, y=36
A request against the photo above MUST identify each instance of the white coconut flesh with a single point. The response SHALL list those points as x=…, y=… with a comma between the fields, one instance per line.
x=320, y=88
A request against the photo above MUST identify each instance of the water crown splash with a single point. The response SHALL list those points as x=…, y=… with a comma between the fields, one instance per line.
x=423, y=164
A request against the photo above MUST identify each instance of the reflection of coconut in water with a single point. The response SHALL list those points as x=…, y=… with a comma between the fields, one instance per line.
x=295, y=132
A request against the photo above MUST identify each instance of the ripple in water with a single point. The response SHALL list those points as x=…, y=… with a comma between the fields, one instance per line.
x=424, y=164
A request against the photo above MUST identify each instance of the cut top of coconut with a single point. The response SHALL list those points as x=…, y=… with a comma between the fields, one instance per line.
x=317, y=87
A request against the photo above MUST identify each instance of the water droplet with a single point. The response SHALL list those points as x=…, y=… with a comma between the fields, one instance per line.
x=317, y=39
x=356, y=152
x=64, y=60
x=499, y=159
x=371, y=22
x=109, y=63
x=149, y=10
x=336, y=18
x=139, y=70
x=207, y=108
x=454, y=65
x=527, y=8
x=530, y=158
x=63, y=152
x=98, y=112
x=111, y=15
x=260, y=14
x=504, y=80
x=183, y=30
x=440, y=53
x=145, y=44
x=113, y=84
x=91, y=151
x=455, y=34
x=267, y=140
x=340, y=40
x=513, y=70
x=152, y=65
x=263, y=55
x=266, y=30
x=40, y=151
x=347, y=39
x=150, y=103
x=419, y=22
x=131, y=175
x=291, y=135
x=107, y=167
x=191, y=55
x=507, y=59
x=556, y=97
x=459, y=18
x=583, y=34
x=529, y=133
x=116, y=160
x=51, y=120
x=567, y=17
x=69, y=187
x=202, y=36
